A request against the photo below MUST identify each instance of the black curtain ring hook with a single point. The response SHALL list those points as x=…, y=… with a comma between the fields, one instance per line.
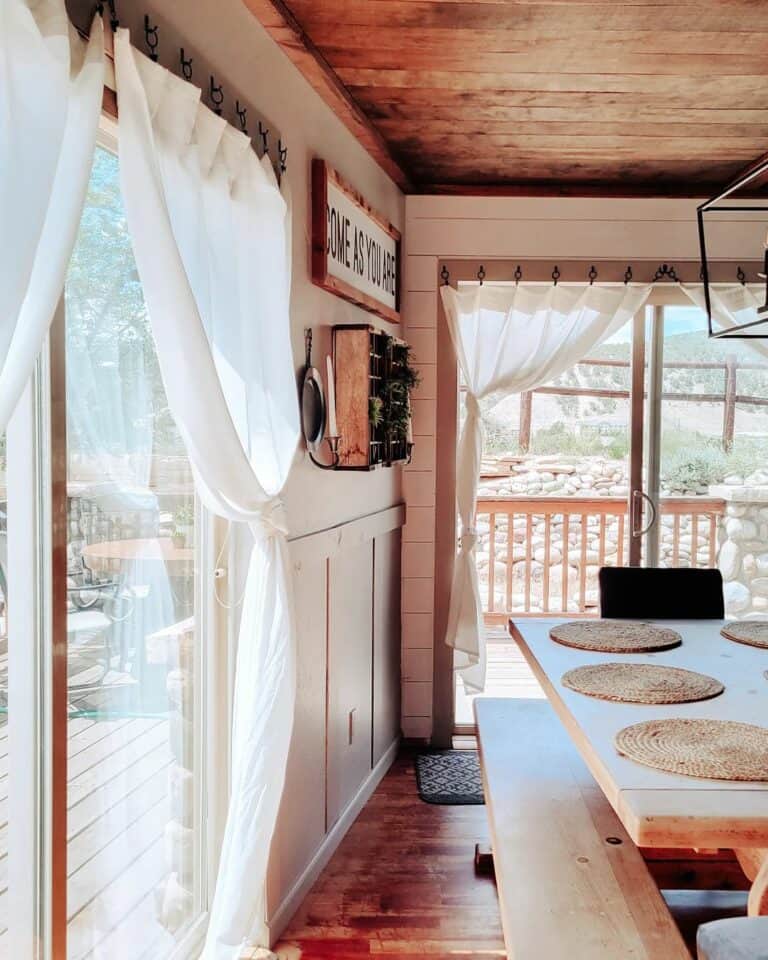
x=151, y=38
x=186, y=65
x=556, y=275
x=264, y=133
x=592, y=274
x=518, y=274
x=445, y=275
x=217, y=97
x=481, y=274
x=282, y=153
x=241, y=112
x=627, y=275
x=741, y=276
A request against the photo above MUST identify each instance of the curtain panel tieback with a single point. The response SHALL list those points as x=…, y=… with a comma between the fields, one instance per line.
x=468, y=539
x=272, y=522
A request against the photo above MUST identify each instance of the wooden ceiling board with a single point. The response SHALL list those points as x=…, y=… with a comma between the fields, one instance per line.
x=661, y=97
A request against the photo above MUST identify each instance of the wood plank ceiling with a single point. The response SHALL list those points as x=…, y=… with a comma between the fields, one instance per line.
x=554, y=96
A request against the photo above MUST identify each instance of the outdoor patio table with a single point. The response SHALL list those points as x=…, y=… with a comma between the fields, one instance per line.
x=112, y=554
x=660, y=809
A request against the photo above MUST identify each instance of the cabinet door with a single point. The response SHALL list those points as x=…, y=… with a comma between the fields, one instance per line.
x=386, y=642
x=301, y=822
x=350, y=670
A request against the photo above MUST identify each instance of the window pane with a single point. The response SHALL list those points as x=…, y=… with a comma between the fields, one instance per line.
x=133, y=813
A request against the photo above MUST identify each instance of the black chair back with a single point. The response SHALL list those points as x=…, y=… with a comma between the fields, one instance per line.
x=658, y=593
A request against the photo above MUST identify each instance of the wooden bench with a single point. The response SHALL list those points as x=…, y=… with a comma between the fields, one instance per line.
x=571, y=882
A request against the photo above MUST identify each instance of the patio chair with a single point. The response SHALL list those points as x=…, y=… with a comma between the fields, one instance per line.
x=659, y=593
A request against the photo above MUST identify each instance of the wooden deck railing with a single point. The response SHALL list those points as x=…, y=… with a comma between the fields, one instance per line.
x=540, y=555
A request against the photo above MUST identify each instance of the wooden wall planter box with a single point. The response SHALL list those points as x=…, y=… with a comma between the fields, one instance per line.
x=362, y=358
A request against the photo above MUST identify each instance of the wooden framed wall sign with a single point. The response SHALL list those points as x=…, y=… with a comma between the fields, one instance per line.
x=355, y=250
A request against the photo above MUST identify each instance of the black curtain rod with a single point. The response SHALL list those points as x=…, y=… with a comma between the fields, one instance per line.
x=665, y=272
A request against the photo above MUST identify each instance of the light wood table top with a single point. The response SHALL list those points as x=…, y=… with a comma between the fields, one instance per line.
x=660, y=809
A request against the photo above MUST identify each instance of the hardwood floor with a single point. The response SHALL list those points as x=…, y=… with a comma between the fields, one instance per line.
x=402, y=885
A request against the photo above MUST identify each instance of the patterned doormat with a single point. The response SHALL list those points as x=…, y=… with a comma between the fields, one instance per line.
x=450, y=777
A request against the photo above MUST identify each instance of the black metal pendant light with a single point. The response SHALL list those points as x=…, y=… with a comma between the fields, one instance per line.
x=753, y=329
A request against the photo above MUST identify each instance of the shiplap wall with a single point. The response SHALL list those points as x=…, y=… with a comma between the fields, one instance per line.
x=487, y=228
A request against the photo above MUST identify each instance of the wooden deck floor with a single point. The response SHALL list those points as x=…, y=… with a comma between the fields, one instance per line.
x=118, y=808
x=401, y=885
x=508, y=675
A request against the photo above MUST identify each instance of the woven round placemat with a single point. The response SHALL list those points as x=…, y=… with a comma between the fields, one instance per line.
x=753, y=632
x=612, y=636
x=713, y=749
x=641, y=683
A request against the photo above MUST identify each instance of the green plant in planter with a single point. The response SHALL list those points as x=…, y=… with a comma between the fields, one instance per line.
x=394, y=393
x=375, y=411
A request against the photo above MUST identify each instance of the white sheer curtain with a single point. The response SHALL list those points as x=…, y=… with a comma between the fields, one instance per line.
x=208, y=224
x=510, y=339
x=50, y=101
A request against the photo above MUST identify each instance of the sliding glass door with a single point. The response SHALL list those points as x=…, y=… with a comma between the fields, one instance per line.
x=707, y=453
x=110, y=640
x=134, y=657
x=651, y=451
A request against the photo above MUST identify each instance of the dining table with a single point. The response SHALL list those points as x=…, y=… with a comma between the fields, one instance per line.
x=657, y=808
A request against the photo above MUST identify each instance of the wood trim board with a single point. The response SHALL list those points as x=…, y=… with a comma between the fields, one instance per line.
x=280, y=23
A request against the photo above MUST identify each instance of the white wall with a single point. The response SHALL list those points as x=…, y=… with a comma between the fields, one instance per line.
x=525, y=228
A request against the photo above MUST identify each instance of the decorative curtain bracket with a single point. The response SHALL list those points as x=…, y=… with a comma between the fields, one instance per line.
x=665, y=270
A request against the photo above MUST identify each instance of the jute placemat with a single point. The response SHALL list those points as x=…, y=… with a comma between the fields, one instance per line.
x=614, y=636
x=641, y=683
x=752, y=632
x=713, y=749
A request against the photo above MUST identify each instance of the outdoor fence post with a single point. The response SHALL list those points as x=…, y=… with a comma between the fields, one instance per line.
x=729, y=405
x=526, y=404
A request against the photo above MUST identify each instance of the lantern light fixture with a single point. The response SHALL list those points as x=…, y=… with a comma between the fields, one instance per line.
x=753, y=329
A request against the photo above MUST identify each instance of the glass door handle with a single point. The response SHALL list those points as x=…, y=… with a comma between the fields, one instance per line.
x=637, y=508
